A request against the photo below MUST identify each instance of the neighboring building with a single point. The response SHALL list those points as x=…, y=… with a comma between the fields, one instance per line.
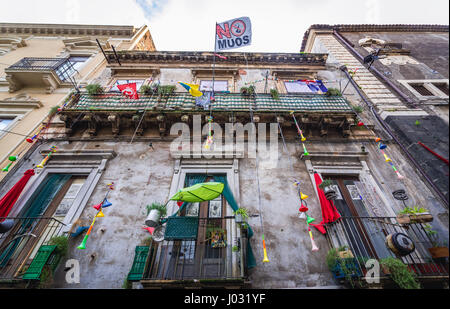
x=136, y=144
x=39, y=64
x=408, y=85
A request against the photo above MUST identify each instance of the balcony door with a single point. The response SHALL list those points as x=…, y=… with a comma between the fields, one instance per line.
x=366, y=236
x=205, y=256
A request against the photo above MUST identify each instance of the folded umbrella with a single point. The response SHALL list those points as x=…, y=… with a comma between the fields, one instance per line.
x=200, y=192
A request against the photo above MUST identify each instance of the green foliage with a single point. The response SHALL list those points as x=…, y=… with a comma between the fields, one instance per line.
x=46, y=279
x=160, y=207
x=61, y=243
x=333, y=92
x=400, y=273
x=325, y=183
x=235, y=249
x=413, y=210
x=248, y=91
x=93, y=89
x=127, y=284
x=358, y=109
x=333, y=259
x=417, y=123
x=274, y=94
x=243, y=212
x=146, y=89
x=147, y=241
x=166, y=90
x=53, y=110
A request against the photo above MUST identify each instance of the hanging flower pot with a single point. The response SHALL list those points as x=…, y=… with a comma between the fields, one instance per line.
x=439, y=252
x=400, y=244
x=155, y=212
x=414, y=215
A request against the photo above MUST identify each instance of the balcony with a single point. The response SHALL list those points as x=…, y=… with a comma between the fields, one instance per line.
x=22, y=243
x=50, y=73
x=198, y=260
x=365, y=238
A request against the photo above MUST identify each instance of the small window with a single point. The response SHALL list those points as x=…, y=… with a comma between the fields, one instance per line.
x=139, y=83
x=297, y=87
x=69, y=67
x=420, y=88
x=219, y=85
x=442, y=87
x=5, y=123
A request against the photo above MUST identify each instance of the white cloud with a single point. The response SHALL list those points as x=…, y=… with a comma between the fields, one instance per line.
x=278, y=26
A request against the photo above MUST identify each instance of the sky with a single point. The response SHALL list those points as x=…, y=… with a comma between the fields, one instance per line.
x=277, y=25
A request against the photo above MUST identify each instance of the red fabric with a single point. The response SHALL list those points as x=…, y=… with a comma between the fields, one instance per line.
x=10, y=198
x=129, y=90
x=329, y=211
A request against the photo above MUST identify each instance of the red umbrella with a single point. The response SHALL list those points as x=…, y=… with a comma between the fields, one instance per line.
x=7, y=202
x=329, y=211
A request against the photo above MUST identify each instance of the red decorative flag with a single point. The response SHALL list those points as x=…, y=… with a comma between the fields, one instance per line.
x=129, y=90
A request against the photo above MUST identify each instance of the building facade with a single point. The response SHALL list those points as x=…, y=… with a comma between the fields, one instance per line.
x=148, y=148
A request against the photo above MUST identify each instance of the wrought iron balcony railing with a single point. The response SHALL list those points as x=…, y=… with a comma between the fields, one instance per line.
x=20, y=239
x=63, y=67
x=211, y=255
x=365, y=238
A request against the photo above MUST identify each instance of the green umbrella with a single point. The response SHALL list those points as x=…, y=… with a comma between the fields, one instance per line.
x=200, y=192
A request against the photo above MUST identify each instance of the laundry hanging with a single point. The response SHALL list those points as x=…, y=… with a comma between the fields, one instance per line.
x=329, y=211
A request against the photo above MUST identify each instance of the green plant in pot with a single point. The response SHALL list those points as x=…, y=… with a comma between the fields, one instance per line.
x=330, y=194
x=399, y=272
x=93, y=89
x=154, y=213
x=241, y=215
x=342, y=268
x=414, y=214
x=333, y=92
x=440, y=247
x=248, y=91
x=274, y=94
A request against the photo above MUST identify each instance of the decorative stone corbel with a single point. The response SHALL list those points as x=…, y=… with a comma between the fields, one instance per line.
x=324, y=122
x=115, y=121
x=14, y=84
x=92, y=124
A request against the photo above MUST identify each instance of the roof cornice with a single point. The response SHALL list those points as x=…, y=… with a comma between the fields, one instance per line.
x=208, y=57
x=66, y=30
x=372, y=28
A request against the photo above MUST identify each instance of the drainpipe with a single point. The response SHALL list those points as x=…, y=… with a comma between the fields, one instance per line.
x=386, y=127
x=372, y=69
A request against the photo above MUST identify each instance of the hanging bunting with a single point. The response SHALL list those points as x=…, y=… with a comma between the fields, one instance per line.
x=300, y=132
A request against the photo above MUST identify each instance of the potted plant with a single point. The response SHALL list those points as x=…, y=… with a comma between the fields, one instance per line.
x=345, y=253
x=93, y=89
x=274, y=94
x=342, y=268
x=439, y=250
x=154, y=213
x=241, y=215
x=400, y=273
x=248, y=91
x=330, y=194
x=414, y=215
x=333, y=92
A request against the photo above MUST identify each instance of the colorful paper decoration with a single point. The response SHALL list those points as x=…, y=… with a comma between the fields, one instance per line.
x=52, y=150
x=300, y=132
x=12, y=159
x=265, y=259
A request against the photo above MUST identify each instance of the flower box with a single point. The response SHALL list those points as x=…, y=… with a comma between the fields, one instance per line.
x=438, y=252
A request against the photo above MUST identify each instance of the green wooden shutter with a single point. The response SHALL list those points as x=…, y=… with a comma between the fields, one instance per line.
x=140, y=258
x=41, y=258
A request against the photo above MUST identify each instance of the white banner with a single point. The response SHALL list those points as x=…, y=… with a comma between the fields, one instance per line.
x=233, y=33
